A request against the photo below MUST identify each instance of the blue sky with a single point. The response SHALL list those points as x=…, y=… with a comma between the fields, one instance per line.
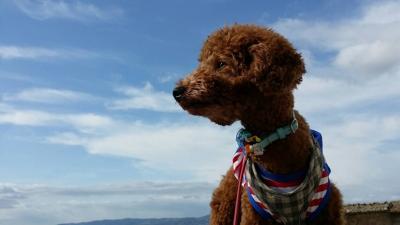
x=89, y=130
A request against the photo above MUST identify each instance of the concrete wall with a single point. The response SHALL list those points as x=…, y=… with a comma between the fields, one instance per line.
x=396, y=219
x=378, y=218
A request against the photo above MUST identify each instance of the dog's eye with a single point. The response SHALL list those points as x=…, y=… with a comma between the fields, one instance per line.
x=220, y=65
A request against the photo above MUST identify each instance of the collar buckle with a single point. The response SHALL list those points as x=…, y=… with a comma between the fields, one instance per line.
x=257, y=149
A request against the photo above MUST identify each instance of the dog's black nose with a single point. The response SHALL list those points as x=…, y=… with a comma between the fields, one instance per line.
x=178, y=93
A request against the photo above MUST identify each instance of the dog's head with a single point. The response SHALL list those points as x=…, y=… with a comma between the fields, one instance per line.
x=239, y=65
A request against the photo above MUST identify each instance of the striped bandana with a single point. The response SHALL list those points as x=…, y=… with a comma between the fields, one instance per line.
x=289, y=199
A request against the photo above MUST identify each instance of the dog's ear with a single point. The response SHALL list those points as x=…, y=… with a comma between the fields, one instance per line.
x=275, y=66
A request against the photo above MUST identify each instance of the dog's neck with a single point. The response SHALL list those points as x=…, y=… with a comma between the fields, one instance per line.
x=268, y=113
x=283, y=156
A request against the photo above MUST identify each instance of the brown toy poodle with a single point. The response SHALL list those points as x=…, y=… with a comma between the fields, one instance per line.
x=248, y=73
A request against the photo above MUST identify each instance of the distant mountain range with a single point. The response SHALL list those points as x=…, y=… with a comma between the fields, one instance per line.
x=166, y=221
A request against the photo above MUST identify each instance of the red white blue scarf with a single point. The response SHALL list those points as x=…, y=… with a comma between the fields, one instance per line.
x=283, y=185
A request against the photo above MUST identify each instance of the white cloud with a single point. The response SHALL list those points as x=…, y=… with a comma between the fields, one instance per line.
x=167, y=77
x=382, y=13
x=74, y=10
x=12, y=52
x=9, y=52
x=356, y=146
x=5, y=107
x=67, y=138
x=365, y=47
x=370, y=58
x=48, y=205
x=181, y=147
x=202, y=150
x=27, y=117
x=324, y=94
x=145, y=98
x=9, y=197
x=47, y=95
x=84, y=122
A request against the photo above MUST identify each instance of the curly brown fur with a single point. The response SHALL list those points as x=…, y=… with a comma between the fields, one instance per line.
x=248, y=73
